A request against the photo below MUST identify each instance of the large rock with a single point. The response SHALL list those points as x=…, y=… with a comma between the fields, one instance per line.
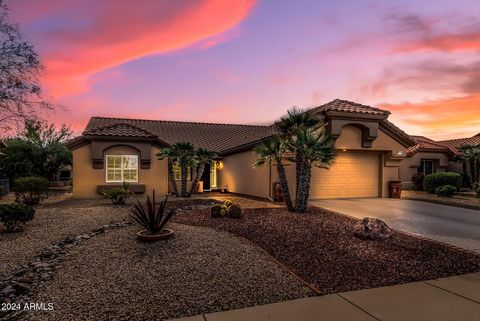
x=372, y=229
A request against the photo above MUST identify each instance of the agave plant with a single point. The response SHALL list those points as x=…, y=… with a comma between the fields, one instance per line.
x=152, y=216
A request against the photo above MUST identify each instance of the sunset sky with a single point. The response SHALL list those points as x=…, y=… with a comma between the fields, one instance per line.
x=246, y=61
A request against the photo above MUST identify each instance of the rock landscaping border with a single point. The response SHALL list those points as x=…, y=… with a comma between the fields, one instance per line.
x=18, y=288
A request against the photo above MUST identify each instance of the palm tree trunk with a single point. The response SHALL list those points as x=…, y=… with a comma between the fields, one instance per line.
x=473, y=173
x=302, y=200
x=477, y=170
x=200, y=170
x=302, y=188
x=171, y=178
x=284, y=183
x=183, y=173
x=298, y=177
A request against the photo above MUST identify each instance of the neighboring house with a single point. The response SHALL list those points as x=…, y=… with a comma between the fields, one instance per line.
x=425, y=157
x=111, y=150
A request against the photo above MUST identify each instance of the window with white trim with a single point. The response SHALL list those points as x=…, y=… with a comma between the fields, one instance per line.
x=178, y=173
x=121, y=168
x=426, y=167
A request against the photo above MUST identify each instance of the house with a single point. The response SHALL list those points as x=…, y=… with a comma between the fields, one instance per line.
x=371, y=152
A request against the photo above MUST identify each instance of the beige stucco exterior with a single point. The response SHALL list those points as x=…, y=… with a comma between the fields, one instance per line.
x=236, y=172
x=373, y=167
x=410, y=165
x=86, y=179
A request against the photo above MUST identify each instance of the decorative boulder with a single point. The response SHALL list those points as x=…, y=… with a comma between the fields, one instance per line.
x=372, y=229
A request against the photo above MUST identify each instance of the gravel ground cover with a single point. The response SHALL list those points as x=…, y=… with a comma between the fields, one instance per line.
x=456, y=200
x=320, y=247
x=54, y=222
x=114, y=277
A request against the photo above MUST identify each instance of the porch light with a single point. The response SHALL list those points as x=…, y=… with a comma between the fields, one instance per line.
x=399, y=153
x=344, y=150
x=219, y=164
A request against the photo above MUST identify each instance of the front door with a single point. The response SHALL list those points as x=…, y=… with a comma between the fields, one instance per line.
x=206, y=178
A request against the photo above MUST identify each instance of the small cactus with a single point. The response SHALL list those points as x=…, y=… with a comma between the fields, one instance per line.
x=234, y=211
x=215, y=210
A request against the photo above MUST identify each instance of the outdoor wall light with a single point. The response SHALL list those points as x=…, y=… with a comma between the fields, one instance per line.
x=399, y=153
x=344, y=150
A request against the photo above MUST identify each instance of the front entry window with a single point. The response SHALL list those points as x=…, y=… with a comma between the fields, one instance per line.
x=177, y=172
x=426, y=167
x=121, y=168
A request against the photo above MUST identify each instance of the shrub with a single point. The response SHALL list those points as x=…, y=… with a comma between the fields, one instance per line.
x=417, y=180
x=476, y=188
x=445, y=191
x=152, y=216
x=432, y=181
x=215, y=210
x=466, y=181
x=14, y=215
x=31, y=190
x=118, y=196
x=234, y=210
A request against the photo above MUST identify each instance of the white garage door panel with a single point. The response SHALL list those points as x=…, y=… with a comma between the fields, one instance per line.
x=351, y=175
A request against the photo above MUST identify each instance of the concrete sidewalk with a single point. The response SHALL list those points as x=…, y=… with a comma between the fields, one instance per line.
x=449, y=299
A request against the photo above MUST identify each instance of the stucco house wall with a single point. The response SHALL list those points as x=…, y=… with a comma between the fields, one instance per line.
x=240, y=177
x=410, y=165
x=86, y=179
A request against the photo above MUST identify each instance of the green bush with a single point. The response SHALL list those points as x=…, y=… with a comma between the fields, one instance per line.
x=476, y=188
x=215, y=210
x=445, y=191
x=234, y=210
x=118, y=195
x=432, y=181
x=14, y=215
x=30, y=190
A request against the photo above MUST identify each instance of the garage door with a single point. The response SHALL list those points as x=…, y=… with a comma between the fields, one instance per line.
x=353, y=174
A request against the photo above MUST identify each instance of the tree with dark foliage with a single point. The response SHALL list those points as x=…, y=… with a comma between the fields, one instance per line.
x=20, y=92
x=37, y=151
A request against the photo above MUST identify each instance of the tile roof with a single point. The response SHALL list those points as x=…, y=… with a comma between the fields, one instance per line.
x=119, y=130
x=351, y=107
x=425, y=144
x=455, y=144
x=212, y=136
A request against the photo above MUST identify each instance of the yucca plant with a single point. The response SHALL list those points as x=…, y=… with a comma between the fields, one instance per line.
x=152, y=216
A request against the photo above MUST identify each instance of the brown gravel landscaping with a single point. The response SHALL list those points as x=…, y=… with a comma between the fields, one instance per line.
x=457, y=200
x=320, y=247
x=53, y=222
x=114, y=277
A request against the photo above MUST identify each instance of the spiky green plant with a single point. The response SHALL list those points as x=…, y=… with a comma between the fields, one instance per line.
x=152, y=216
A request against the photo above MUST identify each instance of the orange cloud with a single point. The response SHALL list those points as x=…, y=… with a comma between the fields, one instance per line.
x=443, y=118
x=449, y=43
x=122, y=31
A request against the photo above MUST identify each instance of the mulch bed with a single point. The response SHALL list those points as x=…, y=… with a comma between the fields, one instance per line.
x=319, y=246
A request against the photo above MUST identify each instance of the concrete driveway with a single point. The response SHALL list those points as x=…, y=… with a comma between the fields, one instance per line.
x=453, y=225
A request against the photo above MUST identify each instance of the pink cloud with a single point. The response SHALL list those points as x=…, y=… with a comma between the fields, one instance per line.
x=114, y=32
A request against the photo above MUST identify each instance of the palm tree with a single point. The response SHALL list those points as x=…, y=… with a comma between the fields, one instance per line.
x=305, y=137
x=471, y=155
x=183, y=155
x=270, y=151
x=185, y=161
x=202, y=157
x=172, y=155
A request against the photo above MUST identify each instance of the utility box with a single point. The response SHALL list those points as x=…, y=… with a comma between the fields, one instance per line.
x=395, y=189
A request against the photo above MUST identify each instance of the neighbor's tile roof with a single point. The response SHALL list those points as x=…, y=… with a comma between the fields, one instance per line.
x=351, y=107
x=212, y=136
x=425, y=144
x=455, y=144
